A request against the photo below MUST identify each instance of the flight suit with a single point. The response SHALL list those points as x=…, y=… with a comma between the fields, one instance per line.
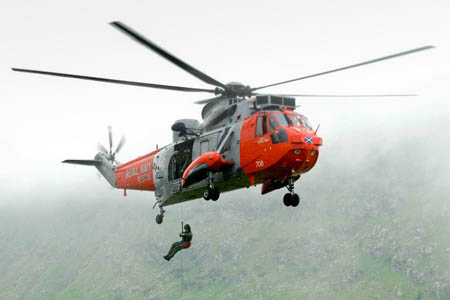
x=185, y=243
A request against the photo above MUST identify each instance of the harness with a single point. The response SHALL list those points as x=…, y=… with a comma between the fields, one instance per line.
x=186, y=239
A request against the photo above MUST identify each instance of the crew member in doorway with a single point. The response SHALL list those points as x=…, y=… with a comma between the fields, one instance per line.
x=186, y=237
x=174, y=169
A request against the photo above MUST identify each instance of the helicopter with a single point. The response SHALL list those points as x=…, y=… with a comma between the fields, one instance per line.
x=246, y=138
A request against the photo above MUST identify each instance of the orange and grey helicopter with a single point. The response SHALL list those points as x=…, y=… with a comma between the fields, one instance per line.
x=246, y=138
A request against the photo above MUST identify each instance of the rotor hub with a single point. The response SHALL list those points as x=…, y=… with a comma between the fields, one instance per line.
x=234, y=89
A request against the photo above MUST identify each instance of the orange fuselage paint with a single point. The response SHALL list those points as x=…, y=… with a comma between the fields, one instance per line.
x=265, y=160
x=137, y=174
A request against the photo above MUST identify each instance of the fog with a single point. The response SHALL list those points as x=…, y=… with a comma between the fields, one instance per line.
x=373, y=221
x=45, y=120
x=381, y=158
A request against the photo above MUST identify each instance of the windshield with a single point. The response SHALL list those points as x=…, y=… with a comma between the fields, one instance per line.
x=305, y=121
x=294, y=120
x=282, y=119
x=273, y=124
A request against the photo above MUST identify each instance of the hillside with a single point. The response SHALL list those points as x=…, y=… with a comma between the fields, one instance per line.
x=372, y=224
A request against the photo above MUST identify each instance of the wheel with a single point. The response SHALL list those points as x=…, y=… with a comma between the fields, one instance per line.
x=215, y=194
x=159, y=219
x=207, y=193
x=295, y=200
x=287, y=199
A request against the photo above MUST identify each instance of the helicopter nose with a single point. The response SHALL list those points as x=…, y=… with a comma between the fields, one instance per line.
x=300, y=139
x=307, y=139
x=304, y=151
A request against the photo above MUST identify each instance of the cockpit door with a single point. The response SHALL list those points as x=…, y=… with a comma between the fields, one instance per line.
x=255, y=143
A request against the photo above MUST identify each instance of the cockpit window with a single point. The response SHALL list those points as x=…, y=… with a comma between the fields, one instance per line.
x=261, y=127
x=273, y=122
x=282, y=119
x=279, y=136
x=305, y=121
x=294, y=121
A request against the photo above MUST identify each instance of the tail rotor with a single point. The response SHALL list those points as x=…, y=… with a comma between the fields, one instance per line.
x=110, y=154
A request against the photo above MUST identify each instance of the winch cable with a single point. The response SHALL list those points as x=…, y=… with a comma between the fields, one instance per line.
x=181, y=256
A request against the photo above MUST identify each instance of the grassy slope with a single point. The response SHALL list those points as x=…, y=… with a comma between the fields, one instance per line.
x=372, y=232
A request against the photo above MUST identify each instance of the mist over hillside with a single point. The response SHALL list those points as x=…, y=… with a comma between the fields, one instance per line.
x=374, y=222
x=374, y=219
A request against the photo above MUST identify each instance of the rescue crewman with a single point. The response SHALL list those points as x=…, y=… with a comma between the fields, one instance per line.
x=173, y=167
x=186, y=237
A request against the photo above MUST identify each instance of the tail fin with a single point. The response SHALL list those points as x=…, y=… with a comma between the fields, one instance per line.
x=104, y=166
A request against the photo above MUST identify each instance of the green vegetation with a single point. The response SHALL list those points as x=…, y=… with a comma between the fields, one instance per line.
x=371, y=230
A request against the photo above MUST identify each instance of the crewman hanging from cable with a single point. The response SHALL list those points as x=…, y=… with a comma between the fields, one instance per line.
x=186, y=237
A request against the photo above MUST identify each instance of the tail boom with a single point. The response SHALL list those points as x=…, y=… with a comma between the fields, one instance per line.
x=104, y=166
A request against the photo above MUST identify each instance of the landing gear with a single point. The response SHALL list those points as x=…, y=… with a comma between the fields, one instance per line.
x=211, y=192
x=207, y=193
x=287, y=199
x=291, y=198
x=215, y=194
x=160, y=217
x=295, y=200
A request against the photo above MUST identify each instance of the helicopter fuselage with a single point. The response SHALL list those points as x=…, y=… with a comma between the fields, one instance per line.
x=257, y=141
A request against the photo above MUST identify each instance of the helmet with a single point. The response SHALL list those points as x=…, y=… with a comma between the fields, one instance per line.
x=187, y=227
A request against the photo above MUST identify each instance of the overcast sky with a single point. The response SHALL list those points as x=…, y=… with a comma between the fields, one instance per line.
x=44, y=120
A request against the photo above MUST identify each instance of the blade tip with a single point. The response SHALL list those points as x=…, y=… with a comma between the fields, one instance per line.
x=117, y=24
x=428, y=47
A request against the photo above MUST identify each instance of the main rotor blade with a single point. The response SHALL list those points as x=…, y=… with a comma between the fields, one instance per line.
x=178, y=62
x=206, y=101
x=338, y=96
x=125, y=82
x=349, y=67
